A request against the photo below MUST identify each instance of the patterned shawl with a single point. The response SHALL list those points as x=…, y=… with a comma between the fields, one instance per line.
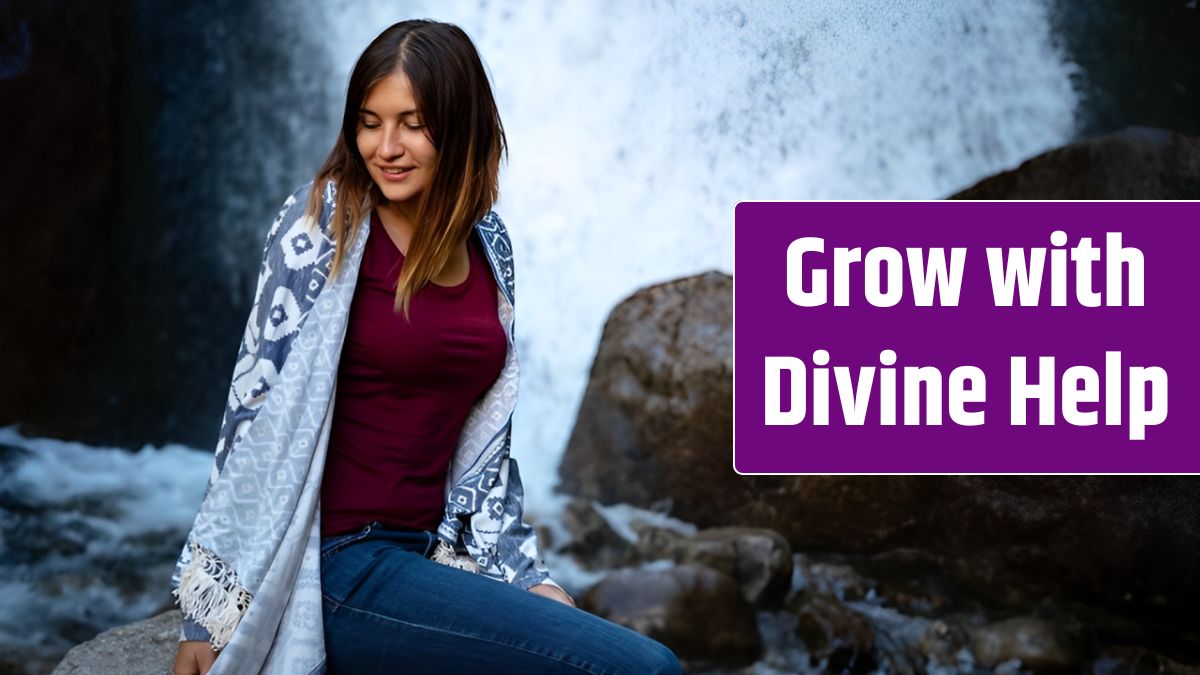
x=249, y=572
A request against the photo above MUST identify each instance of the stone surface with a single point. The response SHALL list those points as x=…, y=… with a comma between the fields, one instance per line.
x=829, y=578
x=594, y=543
x=144, y=648
x=656, y=414
x=657, y=543
x=136, y=266
x=1134, y=163
x=836, y=635
x=653, y=428
x=1040, y=645
x=1137, y=661
x=696, y=611
x=759, y=559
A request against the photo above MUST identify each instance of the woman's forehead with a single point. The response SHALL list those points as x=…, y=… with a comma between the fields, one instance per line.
x=391, y=96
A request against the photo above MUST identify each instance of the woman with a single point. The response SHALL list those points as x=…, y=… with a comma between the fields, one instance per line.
x=385, y=533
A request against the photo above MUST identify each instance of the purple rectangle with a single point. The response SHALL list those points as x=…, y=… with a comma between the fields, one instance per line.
x=1160, y=334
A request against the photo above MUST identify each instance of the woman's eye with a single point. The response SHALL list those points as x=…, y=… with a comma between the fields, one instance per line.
x=415, y=127
x=370, y=126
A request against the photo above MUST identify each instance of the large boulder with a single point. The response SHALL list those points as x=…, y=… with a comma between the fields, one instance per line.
x=1040, y=645
x=836, y=635
x=759, y=559
x=144, y=648
x=658, y=399
x=1134, y=163
x=654, y=429
x=698, y=612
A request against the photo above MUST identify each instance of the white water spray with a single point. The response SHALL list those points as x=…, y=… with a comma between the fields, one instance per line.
x=634, y=129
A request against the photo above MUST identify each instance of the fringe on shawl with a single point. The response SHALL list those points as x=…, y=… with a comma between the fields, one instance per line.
x=444, y=554
x=209, y=594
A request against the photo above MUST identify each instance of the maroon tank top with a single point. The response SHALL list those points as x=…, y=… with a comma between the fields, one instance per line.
x=404, y=390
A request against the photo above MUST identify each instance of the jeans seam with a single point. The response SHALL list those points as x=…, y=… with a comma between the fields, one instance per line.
x=471, y=637
x=350, y=539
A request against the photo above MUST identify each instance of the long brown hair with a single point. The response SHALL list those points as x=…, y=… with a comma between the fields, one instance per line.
x=460, y=115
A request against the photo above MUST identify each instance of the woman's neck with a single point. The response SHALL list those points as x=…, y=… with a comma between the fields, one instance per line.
x=399, y=222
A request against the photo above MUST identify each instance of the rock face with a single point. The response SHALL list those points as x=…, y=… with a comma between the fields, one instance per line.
x=836, y=635
x=1040, y=645
x=137, y=272
x=696, y=611
x=144, y=648
x=654, y=427
x=758, y=559
x=658, y=400
x=1134, y=163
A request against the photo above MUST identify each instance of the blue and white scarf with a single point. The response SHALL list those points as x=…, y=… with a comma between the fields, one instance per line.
x=250, y=570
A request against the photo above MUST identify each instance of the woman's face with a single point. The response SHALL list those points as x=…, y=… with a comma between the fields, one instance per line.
x=393, y=142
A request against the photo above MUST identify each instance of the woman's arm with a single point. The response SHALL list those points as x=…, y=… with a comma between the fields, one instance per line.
x=263, y=342
x=194, y=658
x=517, y=550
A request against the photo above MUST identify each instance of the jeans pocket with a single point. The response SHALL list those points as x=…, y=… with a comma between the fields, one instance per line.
x=331, y=545
x=343, y=574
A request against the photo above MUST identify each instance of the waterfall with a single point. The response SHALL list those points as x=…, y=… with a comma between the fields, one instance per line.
x=634, y=129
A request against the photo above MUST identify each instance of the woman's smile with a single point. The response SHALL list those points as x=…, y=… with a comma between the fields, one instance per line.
x=394, y=142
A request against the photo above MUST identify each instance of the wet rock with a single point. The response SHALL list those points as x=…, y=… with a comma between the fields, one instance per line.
x=759, y=559
x=1040, y=645
x=911, y=581
x=657, y=543
x=830, y=578
x=145, y=90
x=594, y=543
x=836, y=635
x=907, y=645
x=1134, y=163
x=656, y=414
x=698, y=612
x=943, y=642
x=144, y=648
x=654, y=427
x=1137, y=661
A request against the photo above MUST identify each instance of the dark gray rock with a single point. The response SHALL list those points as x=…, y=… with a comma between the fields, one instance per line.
x=657, y=543
x=1039, y=644
x=829, y=578
x=594, y=543
x=656, y=415
x=147, y=148
x=835, y=635
x=144, y=648
x=1134, y=163
x=759, y=559
x=1137, y=661
x=654, y=428
x=696, y=611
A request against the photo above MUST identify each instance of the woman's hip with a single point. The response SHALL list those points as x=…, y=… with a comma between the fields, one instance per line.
x=388, y=607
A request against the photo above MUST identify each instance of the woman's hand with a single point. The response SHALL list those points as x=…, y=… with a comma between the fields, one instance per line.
x=554, y=593
x=195, y=657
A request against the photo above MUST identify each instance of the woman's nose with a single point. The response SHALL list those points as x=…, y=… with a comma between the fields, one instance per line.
x=391, y=146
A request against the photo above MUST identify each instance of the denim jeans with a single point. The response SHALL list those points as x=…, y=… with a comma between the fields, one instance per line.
x=388, y=608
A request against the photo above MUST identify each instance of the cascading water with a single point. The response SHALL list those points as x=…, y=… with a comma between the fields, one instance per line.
x=634, y=129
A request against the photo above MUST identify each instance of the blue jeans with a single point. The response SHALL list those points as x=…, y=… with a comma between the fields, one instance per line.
x=388, y=608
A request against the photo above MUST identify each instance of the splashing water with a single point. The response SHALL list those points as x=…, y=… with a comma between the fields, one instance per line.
x=634, y=129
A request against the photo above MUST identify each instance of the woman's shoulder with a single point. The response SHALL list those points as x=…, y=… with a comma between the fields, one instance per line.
x=493, y=231
x=296, y=217
x=307, y=203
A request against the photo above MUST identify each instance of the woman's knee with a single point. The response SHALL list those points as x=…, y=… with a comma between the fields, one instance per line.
x=664, y=662
x=652, y=658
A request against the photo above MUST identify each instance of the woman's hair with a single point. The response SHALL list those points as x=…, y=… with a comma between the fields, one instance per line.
x=460, y=115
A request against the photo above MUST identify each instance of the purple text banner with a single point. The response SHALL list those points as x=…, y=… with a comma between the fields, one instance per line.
x=966, y=337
